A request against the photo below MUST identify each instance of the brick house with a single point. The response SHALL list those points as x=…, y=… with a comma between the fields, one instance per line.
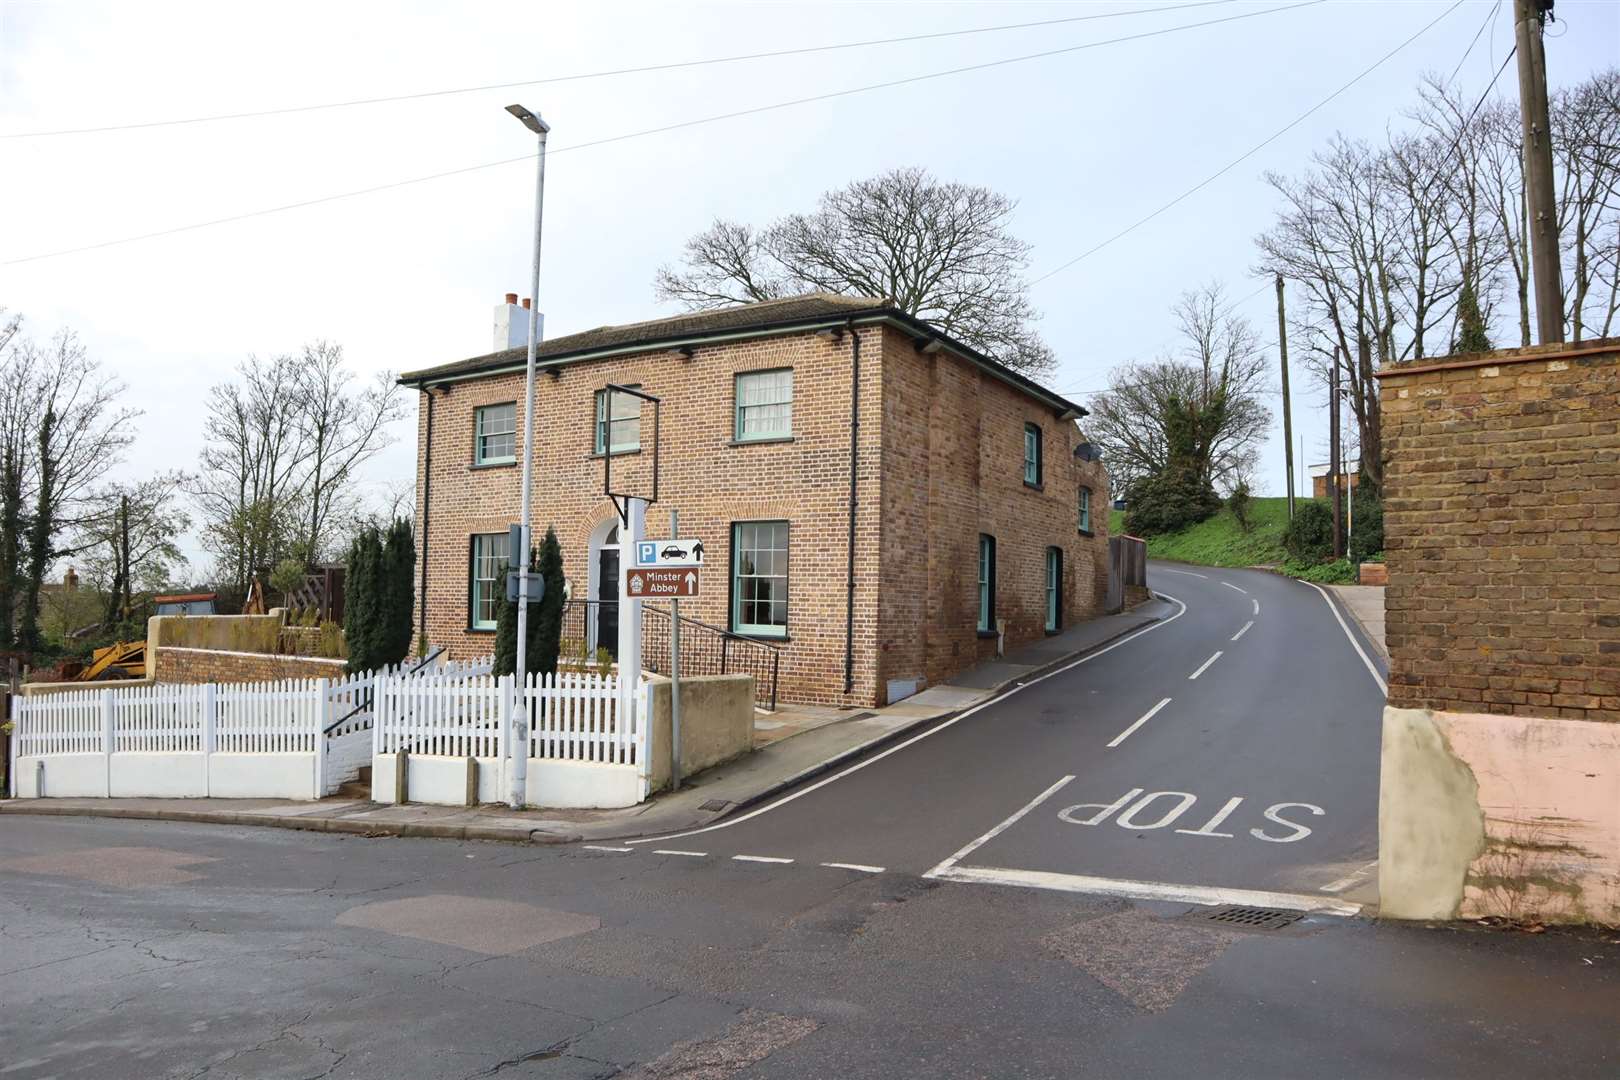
x=961, y=511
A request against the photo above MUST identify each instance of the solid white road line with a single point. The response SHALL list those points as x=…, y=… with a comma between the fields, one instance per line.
x=1349, y=879
x=599, y=847
x=759, y=858
x=861, y=867
x=1243, y=631
x=1122, y=736
x=1256, y=606
x=999, y=829
x=1205, y=665
x=1371, y=668
x=935, y=730
x=1229, y=585
x=1183, y=573
x=689, y=854
x=1143, y=890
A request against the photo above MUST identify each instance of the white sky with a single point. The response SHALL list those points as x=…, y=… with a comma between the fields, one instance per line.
x=1087, y=142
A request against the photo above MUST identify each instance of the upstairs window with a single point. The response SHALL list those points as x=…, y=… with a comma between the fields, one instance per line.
x=624, y=427
x=495, y=434
x=1032, y=455
x=1085, y=510
x=764, y=405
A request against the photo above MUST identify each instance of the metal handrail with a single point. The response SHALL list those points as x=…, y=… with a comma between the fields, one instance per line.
x=432, y=655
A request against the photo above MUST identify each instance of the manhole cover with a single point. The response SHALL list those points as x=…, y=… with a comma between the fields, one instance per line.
x=715, y=804
x=1253, y=918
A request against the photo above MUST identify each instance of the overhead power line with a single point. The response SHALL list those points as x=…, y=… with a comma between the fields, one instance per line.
x=1247, y=154
x=579, y=77
x=319, y=200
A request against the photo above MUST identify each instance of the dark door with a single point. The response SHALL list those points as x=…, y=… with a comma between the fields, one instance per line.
x=607, y=596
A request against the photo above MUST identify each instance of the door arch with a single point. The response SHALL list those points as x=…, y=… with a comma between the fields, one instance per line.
x=602, y=589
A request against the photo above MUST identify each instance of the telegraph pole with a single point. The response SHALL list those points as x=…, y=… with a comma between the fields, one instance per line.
x=1288, y=423
x=1333, y=455
x=1538, y=169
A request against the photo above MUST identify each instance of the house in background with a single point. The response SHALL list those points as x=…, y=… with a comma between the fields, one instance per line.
x=1319, y=475
x=883, y=504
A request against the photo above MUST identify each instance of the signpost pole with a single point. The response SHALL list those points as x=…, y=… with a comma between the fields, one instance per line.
x=674, y=671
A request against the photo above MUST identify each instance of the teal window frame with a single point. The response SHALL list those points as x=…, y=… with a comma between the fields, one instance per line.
x=743, y=411
x=987, y=583
x=1085, y=510
x=1032, y=455
x=488, y=558
x=599, y=429
x=1054, y=589
x=754, y=583
x=488, y=434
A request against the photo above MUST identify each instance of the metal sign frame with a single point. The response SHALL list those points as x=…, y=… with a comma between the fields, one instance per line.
x=621, y=499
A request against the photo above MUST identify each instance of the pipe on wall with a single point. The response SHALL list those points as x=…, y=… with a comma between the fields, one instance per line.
x=427, y=488
x=854, y=447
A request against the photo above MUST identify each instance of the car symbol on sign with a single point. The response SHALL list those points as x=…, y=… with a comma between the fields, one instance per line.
x=673, y=552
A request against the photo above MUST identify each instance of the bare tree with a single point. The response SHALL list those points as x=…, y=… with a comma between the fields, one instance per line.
x=940, y=251
x=127, y=544
x=1586, y=148
x=1211, y=391
x=342, y=428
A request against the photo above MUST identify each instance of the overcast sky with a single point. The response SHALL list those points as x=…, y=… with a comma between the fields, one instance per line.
x=1087, y=142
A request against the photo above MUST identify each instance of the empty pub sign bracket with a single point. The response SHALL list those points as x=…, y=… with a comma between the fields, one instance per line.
x=673, y=583
x=669, y=553
x=621, y=499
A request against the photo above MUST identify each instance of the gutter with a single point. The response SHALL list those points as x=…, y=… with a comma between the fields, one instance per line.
x=854, y=449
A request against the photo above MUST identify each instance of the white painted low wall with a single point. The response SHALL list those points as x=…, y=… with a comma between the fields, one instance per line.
x=262, y=776
x=552, y=783
x=65, y=776
x=157, y=776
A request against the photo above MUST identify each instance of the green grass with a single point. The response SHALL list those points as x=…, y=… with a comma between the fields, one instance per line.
x=1219, y=541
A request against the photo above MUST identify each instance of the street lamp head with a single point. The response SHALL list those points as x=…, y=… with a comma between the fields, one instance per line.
x=530, y=120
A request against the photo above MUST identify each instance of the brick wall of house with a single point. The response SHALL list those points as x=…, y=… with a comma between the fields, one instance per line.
x=954, y=468
x=182, y=665
x=930, y=426
x=1502, y=532
x=713, y=483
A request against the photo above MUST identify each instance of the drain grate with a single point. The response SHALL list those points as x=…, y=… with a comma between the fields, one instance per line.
x=1254, y=918
x=715, y=804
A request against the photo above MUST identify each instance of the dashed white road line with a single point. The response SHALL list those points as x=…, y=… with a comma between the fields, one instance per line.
x=974, y=845
x=1256, y=605
x=1371, y=668
x=1183, y=573
x=1243, y=631
x=1205, y=665
x=759, y=858
x=1145, y=717
x=935, y=730
x=688, y=854
x=859, y=867
x=1349, y=879
x=1229, y=585
x=1142, y=890
x=601, y=847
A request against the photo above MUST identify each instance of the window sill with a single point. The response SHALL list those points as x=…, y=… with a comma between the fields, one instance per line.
x=1034, y=487
x=766, y=638
x=598, y=455
x=479, y=466
x=1085, y=532
x=761, y=442
x=480, y=630
x=987, y=635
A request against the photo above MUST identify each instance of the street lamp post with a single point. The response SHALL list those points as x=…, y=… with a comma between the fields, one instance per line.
x=520, y=741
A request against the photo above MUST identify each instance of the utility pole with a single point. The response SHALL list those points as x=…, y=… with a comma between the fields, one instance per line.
x=1333, y=455
x=1538, y=169
x=1288, y=422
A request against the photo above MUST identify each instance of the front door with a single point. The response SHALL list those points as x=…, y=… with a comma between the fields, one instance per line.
x=607, y=596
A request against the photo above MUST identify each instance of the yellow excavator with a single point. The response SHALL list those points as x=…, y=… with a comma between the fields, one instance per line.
x=125, y=660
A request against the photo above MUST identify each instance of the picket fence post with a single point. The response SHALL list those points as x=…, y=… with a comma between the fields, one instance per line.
x=210, y=735
x=107, y=735
x=323, y=708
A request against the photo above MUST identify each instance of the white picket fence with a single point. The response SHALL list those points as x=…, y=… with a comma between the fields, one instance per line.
x=586, y=739
x=299, y=738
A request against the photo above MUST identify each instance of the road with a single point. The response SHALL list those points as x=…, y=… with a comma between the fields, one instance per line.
x=944, y=909
x=1228, y=753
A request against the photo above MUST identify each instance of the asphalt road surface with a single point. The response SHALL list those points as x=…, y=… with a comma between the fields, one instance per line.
x=848, y=943
x=1227, y=753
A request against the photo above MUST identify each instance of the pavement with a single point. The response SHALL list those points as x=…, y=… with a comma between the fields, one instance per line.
x=792, y=745
x=1366, y=605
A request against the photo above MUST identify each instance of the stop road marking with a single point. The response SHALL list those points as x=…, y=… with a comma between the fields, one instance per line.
x=1137, y=810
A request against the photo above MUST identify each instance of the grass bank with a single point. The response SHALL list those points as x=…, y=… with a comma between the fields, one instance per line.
x=1221, y=541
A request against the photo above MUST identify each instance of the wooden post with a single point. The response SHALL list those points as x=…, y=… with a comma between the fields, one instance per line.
x=1288, y=420
x=472, y=781
x=1540, y=194
x=402, y=765
x=1333, y=453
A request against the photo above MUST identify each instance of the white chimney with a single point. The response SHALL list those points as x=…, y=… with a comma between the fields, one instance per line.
x=512, y=324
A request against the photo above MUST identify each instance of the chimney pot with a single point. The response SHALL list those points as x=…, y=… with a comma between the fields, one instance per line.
x=511, y=298
x=525, y=303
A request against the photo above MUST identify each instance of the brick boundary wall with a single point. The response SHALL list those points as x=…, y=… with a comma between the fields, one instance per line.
x=1502, y=532
x=180, y=665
